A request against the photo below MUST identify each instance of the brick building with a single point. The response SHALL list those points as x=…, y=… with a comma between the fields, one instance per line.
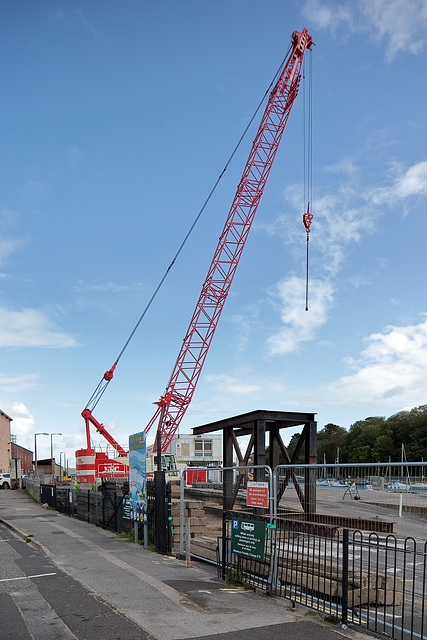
x=5, y=447
x=25, y=456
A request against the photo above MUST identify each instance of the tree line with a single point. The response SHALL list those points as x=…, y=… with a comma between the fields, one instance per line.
x=375, y=439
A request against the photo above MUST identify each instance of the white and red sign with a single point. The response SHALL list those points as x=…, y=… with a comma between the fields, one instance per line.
x=257, y=494
x=110, y=469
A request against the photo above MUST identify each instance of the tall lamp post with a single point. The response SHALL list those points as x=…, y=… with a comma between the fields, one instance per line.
x=51, y=449
x=35, y=449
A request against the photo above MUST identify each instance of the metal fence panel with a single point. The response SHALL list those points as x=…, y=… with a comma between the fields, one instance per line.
x=360, y=557
x=105, y=508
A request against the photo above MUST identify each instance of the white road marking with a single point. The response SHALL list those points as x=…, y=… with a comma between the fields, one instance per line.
x=39, y=575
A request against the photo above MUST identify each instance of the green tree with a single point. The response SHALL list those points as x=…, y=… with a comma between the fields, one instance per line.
x=293, y=445
x=361, y=440
x=329, y=440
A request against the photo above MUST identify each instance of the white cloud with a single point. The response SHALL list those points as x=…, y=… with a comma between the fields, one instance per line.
x=340, y=220
x=391, y=369
x=401, y=24
x=405, y=185
x=300, y=325
x=22, y=420
x=413, y=182
x=31, y=328
x=397, y=25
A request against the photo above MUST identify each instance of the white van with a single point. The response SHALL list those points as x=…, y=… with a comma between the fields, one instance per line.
x=4, y=480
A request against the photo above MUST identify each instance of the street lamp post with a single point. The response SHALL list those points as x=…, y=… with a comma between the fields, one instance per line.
x=51, y=449
x=35, y=449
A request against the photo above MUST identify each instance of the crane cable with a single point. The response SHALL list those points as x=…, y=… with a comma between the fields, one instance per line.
x=105, y=380
x=308, y=163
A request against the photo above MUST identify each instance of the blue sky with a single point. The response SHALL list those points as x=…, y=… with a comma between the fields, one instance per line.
x=117, y=118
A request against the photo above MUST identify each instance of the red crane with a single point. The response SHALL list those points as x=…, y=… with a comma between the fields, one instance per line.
x=173, y=404
x=182, y=383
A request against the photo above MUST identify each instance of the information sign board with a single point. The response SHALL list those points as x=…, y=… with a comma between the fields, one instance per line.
x=257, y=494
x=138, y=476
x=248, y=538
x=126, y=509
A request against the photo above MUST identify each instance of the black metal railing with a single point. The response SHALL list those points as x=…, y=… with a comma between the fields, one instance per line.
x=366, y=579
x=107, y=508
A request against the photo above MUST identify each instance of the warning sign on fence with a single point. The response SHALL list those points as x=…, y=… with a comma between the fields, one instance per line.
x=257, y=494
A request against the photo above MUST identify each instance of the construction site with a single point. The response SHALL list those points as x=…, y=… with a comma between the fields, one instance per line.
x=338, y=539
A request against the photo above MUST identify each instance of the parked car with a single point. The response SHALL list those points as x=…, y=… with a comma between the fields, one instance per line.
x=4, y=480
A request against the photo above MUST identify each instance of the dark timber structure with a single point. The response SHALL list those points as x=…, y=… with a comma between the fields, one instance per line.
x=255, y=425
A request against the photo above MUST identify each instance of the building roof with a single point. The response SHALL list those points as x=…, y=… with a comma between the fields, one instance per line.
x=14, y=444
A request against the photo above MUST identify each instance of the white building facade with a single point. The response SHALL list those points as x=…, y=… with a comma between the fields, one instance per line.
x=197, y=451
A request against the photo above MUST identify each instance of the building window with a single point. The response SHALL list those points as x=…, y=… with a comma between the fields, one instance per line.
x=203, y=448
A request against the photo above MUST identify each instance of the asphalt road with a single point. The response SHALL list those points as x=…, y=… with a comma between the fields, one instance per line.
x=40, y=601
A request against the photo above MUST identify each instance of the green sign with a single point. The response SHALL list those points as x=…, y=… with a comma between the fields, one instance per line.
x=248, y=538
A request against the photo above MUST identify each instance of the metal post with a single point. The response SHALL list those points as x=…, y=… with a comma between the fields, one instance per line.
x=51, y=450
x=181, y=514
x=35, y=450
x=224, y=545
x=160, y=511
x=345, y=546
x=187, y=543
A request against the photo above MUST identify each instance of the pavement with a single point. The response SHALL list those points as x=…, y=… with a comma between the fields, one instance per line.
x=91, y=583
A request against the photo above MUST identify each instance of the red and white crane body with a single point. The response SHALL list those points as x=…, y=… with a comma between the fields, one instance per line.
x=179, y=391
x=173, y=404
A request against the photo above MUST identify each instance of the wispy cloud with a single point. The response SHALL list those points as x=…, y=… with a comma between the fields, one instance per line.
x=31, y=328
x=88, y=26
x=108, y=287
x=244, y=385
x=398, y=25
x=246, y=322
x=75, y=155
x=67, y=17
x=9, y=243
x=16, y=384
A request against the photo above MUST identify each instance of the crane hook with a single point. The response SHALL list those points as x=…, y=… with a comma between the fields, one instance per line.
x=307, y=220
